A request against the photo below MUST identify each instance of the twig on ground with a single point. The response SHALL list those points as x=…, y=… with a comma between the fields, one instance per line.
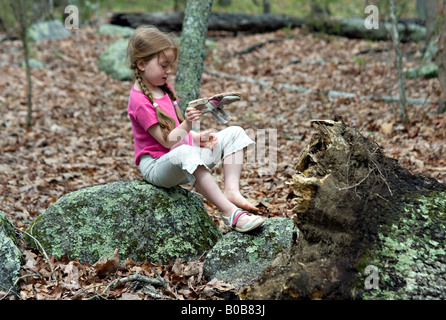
x=158, y=281
x=41, y=249
x=86, y=289
x=16, y=281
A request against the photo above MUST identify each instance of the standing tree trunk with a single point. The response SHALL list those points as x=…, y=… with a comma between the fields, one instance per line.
x=192, y=50
x=17, y=16
x=399, y=62
x=430, y=10
x=266, y=6
x=178, y=5
x=319, y=8
x=21, y=11
x=441, y=54
x=421, y=10
x=28, y=80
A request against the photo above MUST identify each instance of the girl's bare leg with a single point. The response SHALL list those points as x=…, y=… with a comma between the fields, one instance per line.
x=206, y=185
x=232, y=168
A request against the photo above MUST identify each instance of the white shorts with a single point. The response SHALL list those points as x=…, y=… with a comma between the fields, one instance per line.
x=178, y=166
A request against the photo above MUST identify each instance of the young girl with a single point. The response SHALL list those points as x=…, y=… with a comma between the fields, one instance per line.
x=167, y=150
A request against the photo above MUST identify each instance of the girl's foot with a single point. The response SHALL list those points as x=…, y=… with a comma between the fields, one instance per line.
x=240, y=201
x=243, y=221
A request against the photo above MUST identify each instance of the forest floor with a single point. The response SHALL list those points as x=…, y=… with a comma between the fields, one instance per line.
x=81, y=134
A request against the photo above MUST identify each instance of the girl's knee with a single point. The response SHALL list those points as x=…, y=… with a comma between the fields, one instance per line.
x=184, y=154
x=184, y=148
x=239, y=134
x=235, y=131
x=182, y=151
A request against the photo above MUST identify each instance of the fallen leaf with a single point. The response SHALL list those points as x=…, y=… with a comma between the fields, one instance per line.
x=107, y=266
x=387, y=128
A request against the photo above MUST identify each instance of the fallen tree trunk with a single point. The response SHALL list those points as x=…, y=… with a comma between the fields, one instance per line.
x=368, y=228
x=354, y=28
x=237, y=22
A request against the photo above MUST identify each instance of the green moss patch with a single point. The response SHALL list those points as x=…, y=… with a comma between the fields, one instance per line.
x=410, y=255
x=145, y=222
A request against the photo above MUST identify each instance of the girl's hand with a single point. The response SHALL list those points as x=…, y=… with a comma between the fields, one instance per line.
x=192, y=114
x=208, y=139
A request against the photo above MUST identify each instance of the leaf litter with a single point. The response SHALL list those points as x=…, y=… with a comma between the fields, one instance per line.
x=81, y=136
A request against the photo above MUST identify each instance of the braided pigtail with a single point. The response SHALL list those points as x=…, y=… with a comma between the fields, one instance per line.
x=173, y=97
x=166, y=122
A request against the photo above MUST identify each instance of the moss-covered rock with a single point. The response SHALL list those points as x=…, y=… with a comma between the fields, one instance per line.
x=112, y=29
x=239, y=258
x=52, y=30
x=10, y=254
x=409, y=258
x=143, y=221
x=426, y=71
x=33, y=63
x=113, y=60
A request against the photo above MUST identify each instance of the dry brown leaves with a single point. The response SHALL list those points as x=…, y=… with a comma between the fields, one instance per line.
x=81, y=136
x=108, y=279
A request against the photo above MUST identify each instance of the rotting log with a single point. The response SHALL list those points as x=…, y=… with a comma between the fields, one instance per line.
x=354, y=28
x=357, y=209
x=351, y=27
x=234, y=22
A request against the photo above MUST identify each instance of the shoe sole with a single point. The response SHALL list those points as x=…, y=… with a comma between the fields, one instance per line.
x=200, y=104
x=255, y=226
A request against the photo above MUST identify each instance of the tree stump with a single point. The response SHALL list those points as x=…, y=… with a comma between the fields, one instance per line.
x=352, y=205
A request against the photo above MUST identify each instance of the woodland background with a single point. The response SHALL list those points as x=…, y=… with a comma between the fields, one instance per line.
x=80, y=134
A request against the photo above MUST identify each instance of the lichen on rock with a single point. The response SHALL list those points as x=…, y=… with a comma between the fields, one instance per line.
x=113, y=60
x=410, y=257
x=239, y=258
x=144, y=221
x=10, y=257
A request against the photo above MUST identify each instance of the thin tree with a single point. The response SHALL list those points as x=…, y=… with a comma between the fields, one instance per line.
x=18, y=16
x=399, y=62
x=441, y=54
x=430, y=14
x=427, y=12
x=266, y=6
x=192, y=50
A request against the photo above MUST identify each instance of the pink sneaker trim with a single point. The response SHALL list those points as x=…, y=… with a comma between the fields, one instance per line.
x=237, y=216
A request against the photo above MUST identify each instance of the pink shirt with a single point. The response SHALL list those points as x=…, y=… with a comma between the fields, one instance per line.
x=143, y=115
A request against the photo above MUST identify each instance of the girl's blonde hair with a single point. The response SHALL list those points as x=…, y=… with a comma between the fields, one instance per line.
x=145, y=43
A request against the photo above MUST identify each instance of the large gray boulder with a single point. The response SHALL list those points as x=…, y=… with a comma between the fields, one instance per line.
x=239, y=258
x=10, y=255
x=113, y=60
x=426, y=71
x=115, y=30
x=33, y=63
x=48, y=30
x=144, y=221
